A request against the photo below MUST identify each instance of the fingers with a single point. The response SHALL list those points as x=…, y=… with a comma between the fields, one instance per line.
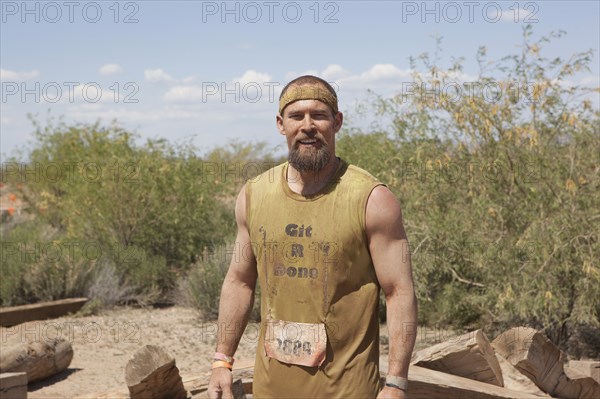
x=220, y=383
x=227, y=394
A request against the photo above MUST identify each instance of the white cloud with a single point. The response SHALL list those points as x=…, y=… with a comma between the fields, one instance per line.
x=158, y=76
x=252, y=76
x=517, y=15
x=383, y=72
x=7, y=75
x=110, y=69
x=380, y=77
x=333, y=72
x=183, y=94
x=188, y=79
x=376, y=74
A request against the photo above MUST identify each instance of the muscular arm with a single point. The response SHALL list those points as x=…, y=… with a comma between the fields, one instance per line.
x=237, y=297
x=388, y=245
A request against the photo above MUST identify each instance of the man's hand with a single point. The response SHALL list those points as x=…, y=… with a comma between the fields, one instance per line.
x=391, y=393
x=220, y=384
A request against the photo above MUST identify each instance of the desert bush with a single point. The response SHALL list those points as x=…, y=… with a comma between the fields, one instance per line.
x=201, y=288
x=499, y=193
x=109, y=288
x=148, y=207
x=40, y=263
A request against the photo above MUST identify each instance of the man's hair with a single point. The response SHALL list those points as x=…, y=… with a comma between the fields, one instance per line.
x=308, y=80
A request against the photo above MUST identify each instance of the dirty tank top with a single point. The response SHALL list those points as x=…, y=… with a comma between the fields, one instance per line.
x=314, y=267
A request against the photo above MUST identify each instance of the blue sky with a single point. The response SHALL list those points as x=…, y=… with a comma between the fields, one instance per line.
x=171, y=61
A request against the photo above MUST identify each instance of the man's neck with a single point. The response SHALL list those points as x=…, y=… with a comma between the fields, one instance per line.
x=309, y=183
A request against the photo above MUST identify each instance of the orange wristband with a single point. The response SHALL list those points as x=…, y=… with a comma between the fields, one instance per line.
x=220, y=363
x=224, y=357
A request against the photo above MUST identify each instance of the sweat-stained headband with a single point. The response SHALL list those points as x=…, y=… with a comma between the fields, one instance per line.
x=307, y=92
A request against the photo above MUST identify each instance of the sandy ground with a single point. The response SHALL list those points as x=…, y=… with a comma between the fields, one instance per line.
x=102, y=345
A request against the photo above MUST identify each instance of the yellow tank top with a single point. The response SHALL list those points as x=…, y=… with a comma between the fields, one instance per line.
x=314, y=267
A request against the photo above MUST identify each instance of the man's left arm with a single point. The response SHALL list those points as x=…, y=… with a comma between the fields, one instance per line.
x=388, y=245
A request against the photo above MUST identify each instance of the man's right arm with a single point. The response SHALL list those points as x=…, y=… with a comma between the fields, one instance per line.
x=237, y=298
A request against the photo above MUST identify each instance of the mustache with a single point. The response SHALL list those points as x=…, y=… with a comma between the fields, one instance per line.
x=317, y=137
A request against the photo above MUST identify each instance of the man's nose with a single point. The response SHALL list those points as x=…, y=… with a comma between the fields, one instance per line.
x=308, y=124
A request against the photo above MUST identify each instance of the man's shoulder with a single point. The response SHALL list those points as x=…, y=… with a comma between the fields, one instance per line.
x=270, y=175
x=354, y=172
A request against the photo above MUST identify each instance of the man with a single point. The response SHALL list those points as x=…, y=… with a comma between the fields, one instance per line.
x=322, y=237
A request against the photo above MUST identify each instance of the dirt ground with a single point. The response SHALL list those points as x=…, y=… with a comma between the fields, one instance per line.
x=102, y=345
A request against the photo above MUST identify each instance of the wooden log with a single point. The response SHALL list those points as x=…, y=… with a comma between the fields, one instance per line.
x=469, y=355
x=13, y=385
x=540, y=360
x=152, y=374
x=196, y=384
x=424, y=384
x=38, y=359
x=10, y=316
x=591, y=368
x=513, y=379
x=431, y=384
x=574, y=384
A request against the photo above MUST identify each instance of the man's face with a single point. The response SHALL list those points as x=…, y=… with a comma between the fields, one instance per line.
x=309, y=127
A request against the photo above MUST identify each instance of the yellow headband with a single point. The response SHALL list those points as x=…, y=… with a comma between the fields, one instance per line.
x=307, y=92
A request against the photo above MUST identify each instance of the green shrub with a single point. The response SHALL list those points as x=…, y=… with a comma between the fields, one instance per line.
x=39, y=263
x=150, y=208
x=201, y=288
x=500, y=197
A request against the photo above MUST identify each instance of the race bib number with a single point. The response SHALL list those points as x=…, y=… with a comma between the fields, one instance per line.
x=289, y=342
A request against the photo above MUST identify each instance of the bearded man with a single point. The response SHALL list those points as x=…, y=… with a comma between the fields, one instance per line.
x=322, y=237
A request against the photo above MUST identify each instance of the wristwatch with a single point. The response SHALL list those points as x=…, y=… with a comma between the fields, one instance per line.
x=396, y=382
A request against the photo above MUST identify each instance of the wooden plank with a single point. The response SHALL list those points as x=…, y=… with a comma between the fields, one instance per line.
x=38, y=359
x=515, y=380
x=540, y=360
x=575, y=384
x=423, y=384
x=591, y=368
x=196, y=383
x=151, y=373
x=13, y=315
x=13, y=386
x=430, y=384
x=469, y=355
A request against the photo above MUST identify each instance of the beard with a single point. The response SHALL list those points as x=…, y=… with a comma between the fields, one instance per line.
x=309, y=161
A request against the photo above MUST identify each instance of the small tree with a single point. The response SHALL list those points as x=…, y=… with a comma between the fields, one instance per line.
x=498, y=177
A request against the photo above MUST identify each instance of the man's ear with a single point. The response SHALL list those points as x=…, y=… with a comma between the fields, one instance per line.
x=338, y=121
x=279, y=121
